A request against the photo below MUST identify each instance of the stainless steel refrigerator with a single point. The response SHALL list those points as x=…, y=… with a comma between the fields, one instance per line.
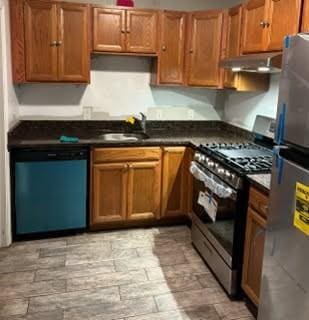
x=285, y=281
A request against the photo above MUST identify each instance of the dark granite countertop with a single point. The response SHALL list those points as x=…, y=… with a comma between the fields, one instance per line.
x=261, y=181
x=45, y=134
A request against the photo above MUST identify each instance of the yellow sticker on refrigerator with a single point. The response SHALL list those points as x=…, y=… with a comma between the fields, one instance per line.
x=301, y=216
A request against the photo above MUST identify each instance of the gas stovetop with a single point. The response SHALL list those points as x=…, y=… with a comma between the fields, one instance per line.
x=244, y=157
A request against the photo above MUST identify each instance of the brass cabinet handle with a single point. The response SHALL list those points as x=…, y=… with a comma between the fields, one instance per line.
x=257, y=235
x=264, y=24
x=164, y=48
x=191, y=51
x=123, y=31
x=59, y=43
x=53, y=43
x=264, y=208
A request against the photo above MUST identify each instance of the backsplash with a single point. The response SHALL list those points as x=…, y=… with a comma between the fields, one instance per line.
x=241, y=109
x=120, y=86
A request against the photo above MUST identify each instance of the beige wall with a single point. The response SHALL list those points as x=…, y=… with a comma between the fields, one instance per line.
x=241, y=109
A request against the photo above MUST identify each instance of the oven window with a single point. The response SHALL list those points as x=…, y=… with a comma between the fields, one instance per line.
x=223, y=228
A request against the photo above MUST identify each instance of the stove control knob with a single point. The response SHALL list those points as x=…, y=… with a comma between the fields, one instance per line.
x=228, y=174
x=220, y=171
x=197, y=156
x=202, y=158
x=210, y=164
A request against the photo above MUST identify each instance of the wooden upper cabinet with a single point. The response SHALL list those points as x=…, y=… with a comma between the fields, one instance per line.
x=267, y=22
x=74, y=62
x=254, y=26
x=41, y=52
x=172, y=41
x=125, y=30
x=144, y=190
x=109, y=29
x=204, y=48
x=305, y=17
x=175, y=182
x=141, y=29
x=284, y=20
x=50, y=41
x=109, y=193
x=233, y=41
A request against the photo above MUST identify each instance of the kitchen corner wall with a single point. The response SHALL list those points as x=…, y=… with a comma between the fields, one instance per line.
x=120, y=86
x=241, y=109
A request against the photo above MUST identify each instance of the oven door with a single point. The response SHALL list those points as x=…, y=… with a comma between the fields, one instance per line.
x=220, y=232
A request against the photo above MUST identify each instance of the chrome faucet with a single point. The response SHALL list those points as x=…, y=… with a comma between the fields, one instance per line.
x=142, y=121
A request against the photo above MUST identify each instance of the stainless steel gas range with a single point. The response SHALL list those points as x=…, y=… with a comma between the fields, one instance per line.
x=220, y=199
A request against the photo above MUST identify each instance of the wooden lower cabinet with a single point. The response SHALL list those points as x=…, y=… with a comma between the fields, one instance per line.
x=144, y=190
x=189, y=193
x=254, y=252
x=305, y=17
x=133, y=185
x=109, y=202
x=174, y=182
x=126, y=185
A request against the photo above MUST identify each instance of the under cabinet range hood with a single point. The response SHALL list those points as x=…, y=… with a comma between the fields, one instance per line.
x=259, y=63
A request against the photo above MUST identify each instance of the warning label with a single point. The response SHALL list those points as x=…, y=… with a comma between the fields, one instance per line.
x=301, y=216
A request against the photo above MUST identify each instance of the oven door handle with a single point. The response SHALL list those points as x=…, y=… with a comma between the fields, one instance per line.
x=212, y=182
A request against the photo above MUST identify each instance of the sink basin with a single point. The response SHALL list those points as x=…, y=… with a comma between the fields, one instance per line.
x=123, y=136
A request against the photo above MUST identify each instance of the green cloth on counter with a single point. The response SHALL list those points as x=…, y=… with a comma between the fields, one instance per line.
x=66, y=139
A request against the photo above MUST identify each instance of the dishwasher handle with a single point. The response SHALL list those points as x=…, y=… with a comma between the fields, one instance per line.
x=50, y=155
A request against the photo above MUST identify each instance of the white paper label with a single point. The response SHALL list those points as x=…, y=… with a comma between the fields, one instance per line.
x=210, y=205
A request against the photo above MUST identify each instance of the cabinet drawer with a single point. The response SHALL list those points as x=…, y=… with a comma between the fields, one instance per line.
x=126, y=154
x=259, y=201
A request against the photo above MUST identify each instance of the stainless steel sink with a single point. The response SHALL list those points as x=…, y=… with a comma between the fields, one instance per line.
x=123, y=137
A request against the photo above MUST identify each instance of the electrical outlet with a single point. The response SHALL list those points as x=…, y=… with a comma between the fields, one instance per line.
x=191, y=114
x=159, y=115
x=87, y=113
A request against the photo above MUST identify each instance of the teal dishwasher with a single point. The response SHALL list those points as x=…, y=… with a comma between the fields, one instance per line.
x=49, y=191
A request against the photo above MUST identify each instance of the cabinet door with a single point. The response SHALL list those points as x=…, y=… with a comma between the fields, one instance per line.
x=284, y=19
x=41, y=41
x=144, y=189
x=109, y=30
x=189, y=184
x=74, y=56
x=254, y=26
x=141, y=29
x=173, y=31
x=305, y=17
x=205, y=32
x=234, y=20
x=174, y=182
x=109, y=193
x=253, y=256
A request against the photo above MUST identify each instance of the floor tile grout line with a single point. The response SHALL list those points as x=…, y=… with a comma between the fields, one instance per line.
x=156, y=304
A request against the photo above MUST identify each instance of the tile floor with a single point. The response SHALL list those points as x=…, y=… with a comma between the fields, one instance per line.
x=140, y=274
